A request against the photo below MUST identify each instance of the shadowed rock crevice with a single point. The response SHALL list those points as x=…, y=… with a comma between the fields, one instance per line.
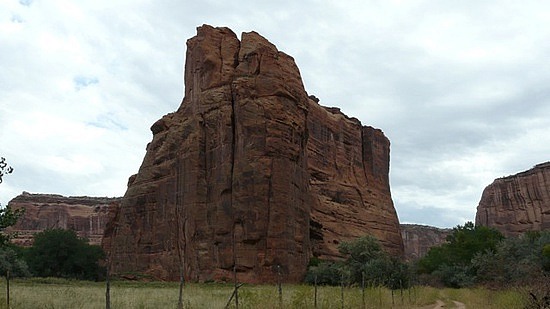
x=243, y=166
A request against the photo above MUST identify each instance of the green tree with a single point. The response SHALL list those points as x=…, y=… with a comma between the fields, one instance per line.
x=4, y=168
x=8, y=217
x=516, y=260
x=61, y=253
x=364, y=256
x=451, y=262
x=364, y=259
x=324, y=273
x=10, y=261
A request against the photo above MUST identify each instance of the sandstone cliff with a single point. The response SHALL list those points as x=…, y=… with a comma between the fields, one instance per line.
x=233, y=177
x=418, y=239
x=517, y=203
x=87, y=216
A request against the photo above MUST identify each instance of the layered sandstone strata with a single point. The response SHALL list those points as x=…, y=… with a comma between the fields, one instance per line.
x=250, y=174
x=87, y=216
x=517, y=203
x=418, y=239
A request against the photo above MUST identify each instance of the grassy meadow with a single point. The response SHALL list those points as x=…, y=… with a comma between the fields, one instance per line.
x=57, y=293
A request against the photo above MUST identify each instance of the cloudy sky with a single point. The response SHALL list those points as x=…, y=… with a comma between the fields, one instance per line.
x=461, y=88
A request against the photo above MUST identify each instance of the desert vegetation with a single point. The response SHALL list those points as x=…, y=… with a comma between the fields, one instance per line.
x=65, y=293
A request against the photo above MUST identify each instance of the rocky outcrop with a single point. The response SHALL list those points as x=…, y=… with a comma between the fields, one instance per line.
x=250, y=174
x=348, y=166
x=517, y=203
x=87, y=216
x=418, y=239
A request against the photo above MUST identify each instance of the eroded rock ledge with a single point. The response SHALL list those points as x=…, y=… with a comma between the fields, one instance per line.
x=250, y=172
x=87, y=216
x=517, y=203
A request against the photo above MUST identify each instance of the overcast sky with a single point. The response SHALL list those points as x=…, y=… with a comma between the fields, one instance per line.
x=461, y=88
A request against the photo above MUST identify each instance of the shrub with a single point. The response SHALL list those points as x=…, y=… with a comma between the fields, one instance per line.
x=365, y=260
x=325, y=273
x=10, y=261
x=61, y=253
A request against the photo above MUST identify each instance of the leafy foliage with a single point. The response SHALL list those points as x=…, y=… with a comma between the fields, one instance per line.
x=9, y=260
x=451, y=262
x=515, y=260
x=365, y=260
x=324, y=273
x=8, y=217
x=4, y=168
x=481, y=255
x=61, y=253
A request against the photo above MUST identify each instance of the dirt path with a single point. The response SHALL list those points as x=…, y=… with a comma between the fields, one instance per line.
x=439, y=304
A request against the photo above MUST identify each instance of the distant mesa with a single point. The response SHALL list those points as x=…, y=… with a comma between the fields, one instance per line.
x=87, y=216
x=418, y=239
x=250, y=173
x=518, y=203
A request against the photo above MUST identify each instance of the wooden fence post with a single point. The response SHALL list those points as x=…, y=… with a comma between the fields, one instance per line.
x=280, y=288
x=8, y=289
x=108, y=287
x=363, y=288
x=315, y=297
x=342, y=289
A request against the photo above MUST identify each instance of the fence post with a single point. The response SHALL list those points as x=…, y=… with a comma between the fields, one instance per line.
x=342, y=290
x=315, y=298
x=363, y=288
x=180, y=298
x=236, y=284
x=401, y=288
x=108, y=287
x=280, y=288
x=380, y=294
x=8, y=289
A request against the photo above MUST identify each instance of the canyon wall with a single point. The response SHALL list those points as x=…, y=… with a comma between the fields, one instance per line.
x=418, y=239
x=517, y=203
x=250, y=174
x=87, y=216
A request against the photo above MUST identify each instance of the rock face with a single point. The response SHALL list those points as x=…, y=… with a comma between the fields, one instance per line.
x=250, y=173
x=418, y=239
x=517, y=203
x=87, y=216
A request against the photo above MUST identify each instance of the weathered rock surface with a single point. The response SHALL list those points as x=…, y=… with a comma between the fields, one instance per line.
x=233, y=177
x=517, y=203
x=87, y=216
x=418, y=239
x=348, y=166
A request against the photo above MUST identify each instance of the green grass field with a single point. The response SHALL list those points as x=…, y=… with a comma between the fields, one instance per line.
x=56, y=293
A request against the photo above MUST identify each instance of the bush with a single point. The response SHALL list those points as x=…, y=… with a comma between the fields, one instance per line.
x=10, y=261
x=516, y=260
x=451, y=263
x=61, y=253
x=365, y=260
x=325, y=273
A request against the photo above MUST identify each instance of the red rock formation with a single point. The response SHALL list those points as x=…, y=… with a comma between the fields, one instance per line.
x=517, y=203
x=418, y=239
x=349, y=168
x=87, y=216
x=226, y=180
